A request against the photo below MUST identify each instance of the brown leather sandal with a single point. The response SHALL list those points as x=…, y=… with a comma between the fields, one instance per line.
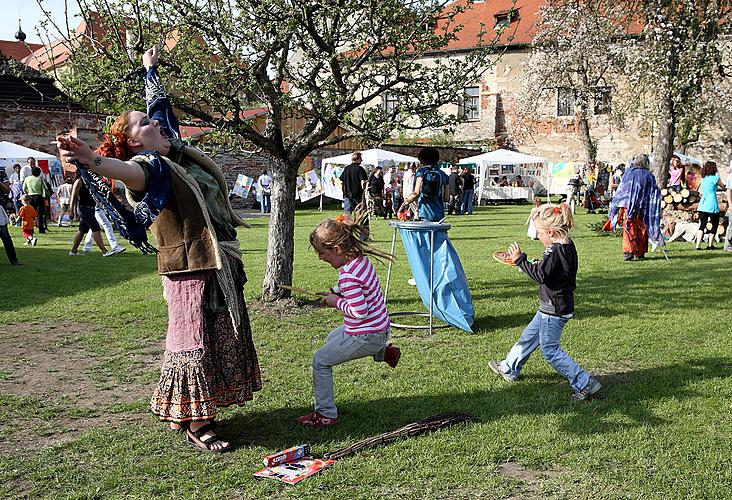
x=194, y=438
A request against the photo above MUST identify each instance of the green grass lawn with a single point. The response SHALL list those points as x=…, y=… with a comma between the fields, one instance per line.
x=82, y=341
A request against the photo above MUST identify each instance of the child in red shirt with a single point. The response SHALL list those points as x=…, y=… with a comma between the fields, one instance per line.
x=28, y=215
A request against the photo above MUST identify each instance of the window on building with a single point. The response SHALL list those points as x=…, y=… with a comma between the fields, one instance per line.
x=504, y=19
x=391, y=103
x=470, y=104
x=603, y=100
x=565, y=101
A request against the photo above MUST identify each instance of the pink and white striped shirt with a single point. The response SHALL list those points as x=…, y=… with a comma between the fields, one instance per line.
x=362, y=304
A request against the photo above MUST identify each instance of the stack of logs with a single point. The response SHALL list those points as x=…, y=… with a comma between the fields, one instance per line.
x=688, y=201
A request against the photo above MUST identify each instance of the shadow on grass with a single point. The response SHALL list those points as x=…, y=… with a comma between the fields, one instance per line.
x=27, y=284
x=626, y=401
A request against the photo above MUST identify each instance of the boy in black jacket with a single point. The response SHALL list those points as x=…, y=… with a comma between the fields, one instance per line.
x=556, y=274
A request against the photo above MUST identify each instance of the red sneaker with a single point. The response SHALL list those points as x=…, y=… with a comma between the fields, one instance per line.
x=391, y=355
x=315, y=419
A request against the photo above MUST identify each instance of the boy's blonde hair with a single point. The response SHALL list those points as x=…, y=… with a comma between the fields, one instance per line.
x=345, y=236
x=557, y=218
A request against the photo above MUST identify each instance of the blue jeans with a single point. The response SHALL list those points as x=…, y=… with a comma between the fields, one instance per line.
x=339, y=348
x=266, y=206
x=350, y=204
x=545, y=330
x=467, y=206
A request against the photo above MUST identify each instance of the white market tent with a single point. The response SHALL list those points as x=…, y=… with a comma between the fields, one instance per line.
x=14, y=153
x=500, y=157
x=373, y=157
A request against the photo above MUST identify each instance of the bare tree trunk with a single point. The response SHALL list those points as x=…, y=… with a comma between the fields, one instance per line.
x=281, y=244
x=665, y=143
x=589, y=144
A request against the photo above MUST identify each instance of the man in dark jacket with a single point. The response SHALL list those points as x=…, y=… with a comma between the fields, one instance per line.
x=353, y=179
x=454, y=185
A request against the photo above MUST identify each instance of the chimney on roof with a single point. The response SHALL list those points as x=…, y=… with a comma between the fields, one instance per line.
x=20, y=36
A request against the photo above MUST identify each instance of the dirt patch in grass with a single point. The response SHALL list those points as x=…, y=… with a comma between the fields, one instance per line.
x=47, y=362
x=283, y=307
x=533, y=481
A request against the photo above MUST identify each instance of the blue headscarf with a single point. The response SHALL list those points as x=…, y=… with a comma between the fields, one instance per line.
x=640, y=196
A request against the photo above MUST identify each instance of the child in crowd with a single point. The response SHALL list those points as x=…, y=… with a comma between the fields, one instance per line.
x=28, y=215
x=556, y=274
x=365, y=331
x=531, y=233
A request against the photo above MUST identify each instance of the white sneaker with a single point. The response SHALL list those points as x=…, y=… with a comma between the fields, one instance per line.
x=119, y=250
x=412, y=281
x=87, y=250
x=74, y=254
x=109, y=253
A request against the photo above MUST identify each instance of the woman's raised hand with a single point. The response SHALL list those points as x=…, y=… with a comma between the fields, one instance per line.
x=71, y=148
x=150, y=57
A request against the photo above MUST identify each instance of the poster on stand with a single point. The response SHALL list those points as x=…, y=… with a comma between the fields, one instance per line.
x=242, y=186
x=311, y=186
x=331, y=181
x=559, y=173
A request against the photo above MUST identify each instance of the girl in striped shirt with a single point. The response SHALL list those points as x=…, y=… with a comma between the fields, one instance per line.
x=365, y=328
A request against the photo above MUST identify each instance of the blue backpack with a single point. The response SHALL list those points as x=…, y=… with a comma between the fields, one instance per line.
x=432, y=183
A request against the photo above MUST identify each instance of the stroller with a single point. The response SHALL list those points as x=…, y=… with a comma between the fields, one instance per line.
x=592, y=202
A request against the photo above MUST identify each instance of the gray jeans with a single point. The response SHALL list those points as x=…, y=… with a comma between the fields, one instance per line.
x=728, y=236
x=339, y=348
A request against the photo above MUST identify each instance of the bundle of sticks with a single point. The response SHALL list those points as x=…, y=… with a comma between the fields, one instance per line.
x=426, y=425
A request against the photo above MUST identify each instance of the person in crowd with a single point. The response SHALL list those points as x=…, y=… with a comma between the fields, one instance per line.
x=28, y=216
x=430, y=191
x=531, y=232
x=265, y=185
x=556, y=274
x=408, y=182
x=393, y=191
x=708, y=205
x=573, y=188
x=676, y=174
x=35, y=187
x=210, y=361
x=518, y=181
x=4, y=220
x=468, y=186
x=615, y=178
x=375, y=189
x=353, y=179
x=455, y=189
x=365, y=328
x=16, y=190
x=104, y=223
x=503, y=182
x=83, y=204
x=64, y=199
x=636, y=206
x=27, y=170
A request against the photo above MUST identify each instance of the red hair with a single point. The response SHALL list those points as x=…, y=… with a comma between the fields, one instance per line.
x=114, y=144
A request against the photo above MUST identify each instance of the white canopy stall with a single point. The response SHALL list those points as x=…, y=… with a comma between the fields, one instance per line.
x=504, y=162
x=11, y=154
x=333, y=166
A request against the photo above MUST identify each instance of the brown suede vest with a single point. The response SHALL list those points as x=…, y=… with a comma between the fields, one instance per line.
x=186, y=240
x=186, y=243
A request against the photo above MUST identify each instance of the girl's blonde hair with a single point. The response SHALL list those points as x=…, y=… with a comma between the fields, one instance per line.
x=557, y=218
x=345, y=236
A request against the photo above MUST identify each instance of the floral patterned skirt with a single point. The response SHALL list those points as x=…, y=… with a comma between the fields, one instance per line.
x=224, y=371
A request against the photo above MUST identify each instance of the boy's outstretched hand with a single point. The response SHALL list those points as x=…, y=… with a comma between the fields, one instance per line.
x=514, y=251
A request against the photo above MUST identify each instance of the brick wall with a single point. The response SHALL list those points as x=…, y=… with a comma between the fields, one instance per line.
x=36, y=128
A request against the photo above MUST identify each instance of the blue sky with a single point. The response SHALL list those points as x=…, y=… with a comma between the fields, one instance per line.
x=30, y=14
